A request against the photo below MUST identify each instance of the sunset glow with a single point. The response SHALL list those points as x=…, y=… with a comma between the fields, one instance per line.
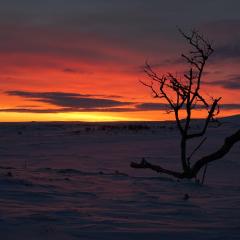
x=62, y=66
x=119, y=119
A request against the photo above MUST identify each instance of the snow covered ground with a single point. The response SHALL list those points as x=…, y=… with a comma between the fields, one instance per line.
x=73, y=181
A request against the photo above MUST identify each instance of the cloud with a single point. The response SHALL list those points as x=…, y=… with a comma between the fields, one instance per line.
x=152, y=106
x=76, y=71
x=164, y=107
x=224, y=33
x=229, y=51
x=74, y=102
x=231, y=83
x=67, y=110
x=69, y=100
x=120, y=34
x=119, y=109
x=65, y=29
x=230, y=106
x=34, y=110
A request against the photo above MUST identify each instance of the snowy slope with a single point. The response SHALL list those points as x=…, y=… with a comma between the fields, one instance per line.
x=73, y=181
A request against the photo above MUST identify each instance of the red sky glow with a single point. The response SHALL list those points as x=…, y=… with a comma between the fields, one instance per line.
x=82, y=62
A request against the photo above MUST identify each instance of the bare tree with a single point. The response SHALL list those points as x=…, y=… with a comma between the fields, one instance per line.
x=184, y=95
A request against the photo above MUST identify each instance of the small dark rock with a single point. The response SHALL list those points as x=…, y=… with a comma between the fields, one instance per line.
x=120, y=173
x=186, y=197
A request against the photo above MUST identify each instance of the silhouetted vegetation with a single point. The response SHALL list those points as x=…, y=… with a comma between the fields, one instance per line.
x=183, y=95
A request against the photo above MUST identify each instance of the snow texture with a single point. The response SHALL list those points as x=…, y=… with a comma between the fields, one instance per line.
x=73, y=181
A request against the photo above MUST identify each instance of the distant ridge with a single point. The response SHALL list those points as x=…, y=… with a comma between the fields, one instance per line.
x=233, y=119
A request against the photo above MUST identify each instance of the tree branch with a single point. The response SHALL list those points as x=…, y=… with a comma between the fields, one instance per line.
x=224, y=149
x=146, y=165
x=210, y=116
x=184, y=96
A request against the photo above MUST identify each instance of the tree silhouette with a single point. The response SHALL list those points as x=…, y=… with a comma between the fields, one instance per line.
x=183, y=94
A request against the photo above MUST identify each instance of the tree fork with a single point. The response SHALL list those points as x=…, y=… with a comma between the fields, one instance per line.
x=192, y=172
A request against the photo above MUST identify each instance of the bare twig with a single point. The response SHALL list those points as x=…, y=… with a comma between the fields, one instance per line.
x=196, y=149
x=204, y=173
x=184, y=97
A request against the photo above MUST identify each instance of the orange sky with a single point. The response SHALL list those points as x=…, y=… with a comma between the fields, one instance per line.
x=112, y=82
x=50, y=60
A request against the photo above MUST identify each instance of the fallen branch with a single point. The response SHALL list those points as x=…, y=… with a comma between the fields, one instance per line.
x=204, y=161
x=144, y=165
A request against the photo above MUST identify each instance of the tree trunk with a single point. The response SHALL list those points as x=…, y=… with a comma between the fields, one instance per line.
x=184, y=154
x=192, y=172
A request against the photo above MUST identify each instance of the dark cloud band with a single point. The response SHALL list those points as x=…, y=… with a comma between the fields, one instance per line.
x=69, y=100
x=231, y=82
x=73, y=102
